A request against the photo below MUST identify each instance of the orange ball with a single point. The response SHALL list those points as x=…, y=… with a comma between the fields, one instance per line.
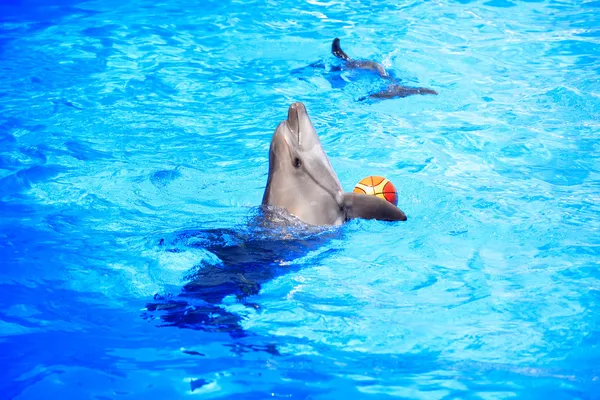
x=378, y=186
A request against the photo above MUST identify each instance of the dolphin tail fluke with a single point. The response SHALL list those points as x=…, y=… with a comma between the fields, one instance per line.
x=337, y=51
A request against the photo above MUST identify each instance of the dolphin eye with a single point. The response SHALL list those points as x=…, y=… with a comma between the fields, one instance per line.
x=297, y=162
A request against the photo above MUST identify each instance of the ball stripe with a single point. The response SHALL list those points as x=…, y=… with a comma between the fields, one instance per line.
x=377, y=180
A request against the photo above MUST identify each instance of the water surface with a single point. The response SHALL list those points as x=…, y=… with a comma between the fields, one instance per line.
x=123, y=123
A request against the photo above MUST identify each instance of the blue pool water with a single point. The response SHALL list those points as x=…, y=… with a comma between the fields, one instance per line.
x=134, y=141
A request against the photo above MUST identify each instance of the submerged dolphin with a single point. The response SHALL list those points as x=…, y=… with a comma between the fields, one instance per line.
x=392, y=91
x=302, y=181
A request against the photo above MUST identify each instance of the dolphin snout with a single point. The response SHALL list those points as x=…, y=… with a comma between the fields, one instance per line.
x=294, y=117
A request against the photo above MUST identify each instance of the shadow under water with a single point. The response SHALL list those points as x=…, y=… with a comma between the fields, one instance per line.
x=268, y=246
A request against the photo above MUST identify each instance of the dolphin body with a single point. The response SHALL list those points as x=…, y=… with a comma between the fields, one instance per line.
x=303, y=202
x=302, y=181
x=392, y=91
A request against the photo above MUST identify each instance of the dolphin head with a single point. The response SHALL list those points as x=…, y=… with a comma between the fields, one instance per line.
x=301, y=179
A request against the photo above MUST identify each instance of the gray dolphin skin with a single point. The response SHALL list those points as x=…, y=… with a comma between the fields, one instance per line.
x=302, y=181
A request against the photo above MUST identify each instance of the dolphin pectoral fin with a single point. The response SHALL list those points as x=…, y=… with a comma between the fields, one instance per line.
x=371, y=207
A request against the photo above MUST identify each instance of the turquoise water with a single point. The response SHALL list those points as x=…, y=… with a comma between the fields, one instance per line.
x=124, y=123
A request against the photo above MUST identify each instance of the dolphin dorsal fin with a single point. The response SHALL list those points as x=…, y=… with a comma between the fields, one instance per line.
x=337, y=51
x=371, y=207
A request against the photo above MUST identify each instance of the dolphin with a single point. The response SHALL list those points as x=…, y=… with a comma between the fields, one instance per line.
x=302, y=181
x=393, y=90
x=303, y=203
